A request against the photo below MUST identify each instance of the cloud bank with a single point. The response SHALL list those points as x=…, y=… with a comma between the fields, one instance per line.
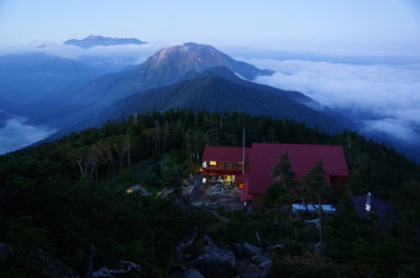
x=130, y=54
x=381, y=99
x=15, y=134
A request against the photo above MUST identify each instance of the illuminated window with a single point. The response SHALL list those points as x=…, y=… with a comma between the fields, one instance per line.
x=213, y=163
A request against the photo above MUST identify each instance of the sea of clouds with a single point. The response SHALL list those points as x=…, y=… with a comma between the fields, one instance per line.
x=380, y=99
x=126, y=55
x=15, y=133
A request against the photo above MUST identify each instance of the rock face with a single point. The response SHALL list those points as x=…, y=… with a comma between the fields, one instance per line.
x=252, y=261
x=216, y=262
x=6, y=253
x=120, y=270
x=44, y=263
x=243, y=260
x=36, y=261
x=190, y=273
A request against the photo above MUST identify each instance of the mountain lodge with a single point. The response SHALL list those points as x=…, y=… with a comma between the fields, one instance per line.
x=250, y=168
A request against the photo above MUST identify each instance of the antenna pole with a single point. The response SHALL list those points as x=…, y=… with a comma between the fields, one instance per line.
x=243, y=152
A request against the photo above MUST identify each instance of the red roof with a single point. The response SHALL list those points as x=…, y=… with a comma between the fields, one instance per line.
x=225, y=154
x=302, y=158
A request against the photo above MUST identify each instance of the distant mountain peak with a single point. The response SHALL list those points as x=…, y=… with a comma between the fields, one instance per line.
x=95, y=40
x=170, y=64
x=90, y=37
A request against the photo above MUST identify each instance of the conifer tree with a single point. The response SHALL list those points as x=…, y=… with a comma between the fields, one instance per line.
x=287, y=184
x=317, y=189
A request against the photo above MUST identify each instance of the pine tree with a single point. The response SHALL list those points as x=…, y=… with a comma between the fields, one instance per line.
x=318, y=189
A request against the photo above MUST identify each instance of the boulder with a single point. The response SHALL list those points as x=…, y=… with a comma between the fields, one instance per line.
x=187, y=190
x=259, y=258
x=274, y=247
x=265, y=264
x=216, y=262
x=208, y=241
x=249, y=271
x=251, y=250
x=102, y=272
x=238, y=250
x=47, y=265
x=166, y=192
x=246, y=250
x=190, y=273
x=122, y=268
x=6, y=253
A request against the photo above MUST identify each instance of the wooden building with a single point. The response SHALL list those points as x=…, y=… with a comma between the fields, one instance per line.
x=250, y=168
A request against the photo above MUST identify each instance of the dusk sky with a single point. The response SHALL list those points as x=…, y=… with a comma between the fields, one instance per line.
x=339, y=27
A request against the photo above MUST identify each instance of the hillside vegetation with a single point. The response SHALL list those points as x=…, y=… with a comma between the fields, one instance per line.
x=66, y=196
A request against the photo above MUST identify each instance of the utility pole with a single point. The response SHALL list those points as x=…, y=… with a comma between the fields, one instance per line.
x=243, y=152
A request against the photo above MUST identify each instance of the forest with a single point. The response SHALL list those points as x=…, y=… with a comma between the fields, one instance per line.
x=65, y=196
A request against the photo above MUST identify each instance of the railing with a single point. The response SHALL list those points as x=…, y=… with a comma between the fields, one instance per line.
x=226, y=166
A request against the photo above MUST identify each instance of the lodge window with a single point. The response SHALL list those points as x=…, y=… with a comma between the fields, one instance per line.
x=213, y=163
x=228, y=164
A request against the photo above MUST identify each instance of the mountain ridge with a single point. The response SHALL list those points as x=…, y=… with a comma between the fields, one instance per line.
x=180, y=59
x=92, y=41
x=166, y=67
x=212, y=91
x=26, y=77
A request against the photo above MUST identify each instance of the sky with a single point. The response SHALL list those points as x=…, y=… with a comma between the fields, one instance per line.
x=339, y=27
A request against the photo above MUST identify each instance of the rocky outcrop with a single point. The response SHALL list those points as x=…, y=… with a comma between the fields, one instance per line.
x=216, y=262
x=6, y=253
x=242, y=260
x=36, y=261
x=47, y=265
x=190, y=273
x=123, y=269
x=252, y=261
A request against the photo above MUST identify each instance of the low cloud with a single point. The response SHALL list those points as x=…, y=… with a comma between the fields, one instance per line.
x=392, y=127
x=15, y=134
x=379, y=98
x=136, y=54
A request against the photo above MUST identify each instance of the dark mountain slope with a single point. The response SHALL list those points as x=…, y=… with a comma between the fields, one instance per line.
x=213, y=93
x=225, y=73
x=31, y=76
x=166, y=67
